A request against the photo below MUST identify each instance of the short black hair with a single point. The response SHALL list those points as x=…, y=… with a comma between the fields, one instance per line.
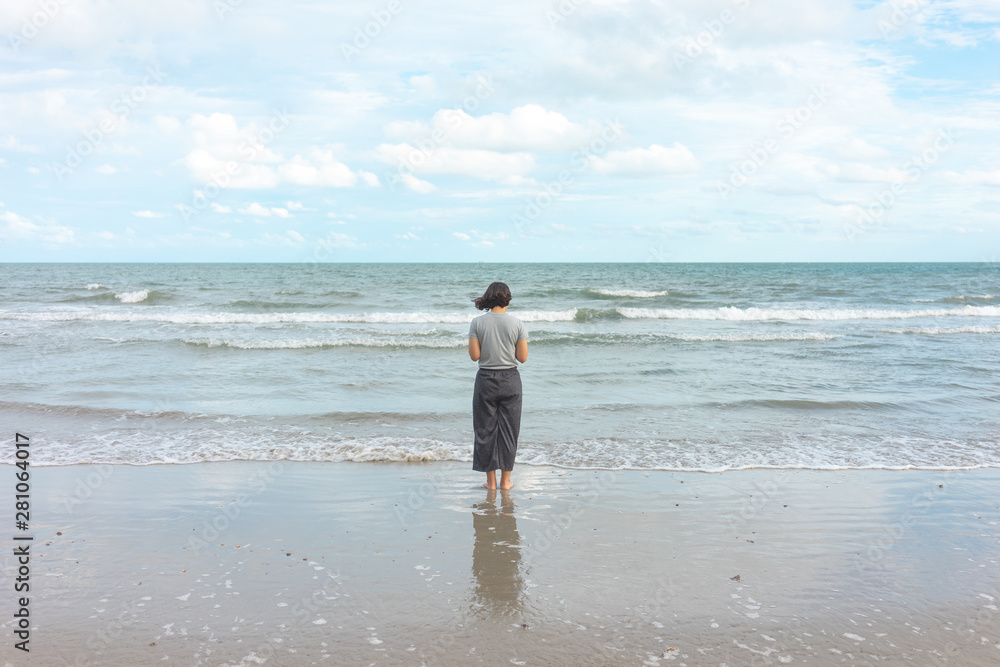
x=497, y=294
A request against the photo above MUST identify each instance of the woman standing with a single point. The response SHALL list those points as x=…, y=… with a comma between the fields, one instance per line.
x=497, y=341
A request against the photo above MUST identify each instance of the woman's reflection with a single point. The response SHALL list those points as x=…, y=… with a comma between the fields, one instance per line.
x=496, y=556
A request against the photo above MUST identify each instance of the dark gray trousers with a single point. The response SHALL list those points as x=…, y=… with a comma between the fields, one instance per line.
x=496, y=418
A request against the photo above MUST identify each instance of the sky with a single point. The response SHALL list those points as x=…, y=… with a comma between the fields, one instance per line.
x=427, y=131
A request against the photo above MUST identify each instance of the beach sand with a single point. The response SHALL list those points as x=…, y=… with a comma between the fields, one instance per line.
x=291, y=563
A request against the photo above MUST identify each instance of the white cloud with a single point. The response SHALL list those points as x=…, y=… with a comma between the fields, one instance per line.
x=256, y=209
x=106, y=169
x=527, y=128
x=95, y=30
x=857, y=148
x=417, y=185
x=168, y=125
x=349, y=103
x=337, y=240
x=856, y=172
x=234, y=157
x=321, y=168
x=221, y=145
x=12, y=143
x=973, y=177
x=450, y=161
x=484, y=239
x=259, y=210
x=656, y=160
x=290, y=238
x=219, y=208
x=118, y=149
x=295, y=206
x=147, y=214
x=424, y=83
x=18, y=228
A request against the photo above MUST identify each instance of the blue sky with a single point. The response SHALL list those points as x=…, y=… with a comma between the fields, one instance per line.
x=603, y=130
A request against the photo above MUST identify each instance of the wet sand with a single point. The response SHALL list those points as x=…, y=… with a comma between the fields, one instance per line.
x=414, y=564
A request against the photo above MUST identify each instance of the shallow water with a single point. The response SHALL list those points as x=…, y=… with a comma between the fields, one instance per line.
x=671, y=366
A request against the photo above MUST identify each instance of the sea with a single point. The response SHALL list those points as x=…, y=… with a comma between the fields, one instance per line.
x=653, y=366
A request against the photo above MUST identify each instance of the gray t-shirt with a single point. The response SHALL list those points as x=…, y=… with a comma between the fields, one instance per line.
x=498, y=334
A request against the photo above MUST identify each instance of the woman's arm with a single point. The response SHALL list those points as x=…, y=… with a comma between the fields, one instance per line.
x=474, y=349
x=521, y=350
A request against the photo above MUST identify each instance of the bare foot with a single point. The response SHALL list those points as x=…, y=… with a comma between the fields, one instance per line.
x=491, y=488
x=505, y=482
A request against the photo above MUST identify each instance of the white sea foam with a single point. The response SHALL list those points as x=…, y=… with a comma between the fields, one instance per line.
x=749, y=338
x=420, y=339
x=944, y=331
x=733, y=314
x=298, y=344
x=133, y=297
x=730, y=314
x=163, y=446
x=639, y=294
x=960, y=297
x=93, y=286
x=239, y=446
x=135, y=449
x=273, y=318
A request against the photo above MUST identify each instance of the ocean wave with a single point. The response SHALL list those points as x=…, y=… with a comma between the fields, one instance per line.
x=752, y=338
x=446, y=340
x=733, y=314
x=726, y=313
x=636, y=294
x=143, y=296
x=133, y=297
x=349, y=294
x=805, y=404
x=594, y=314
x=944, y=331
x=961, y=298
x=100, y=298
x=258, y=304
x=659, y=337
x=96, y=286
x=91, y=435
x=323, y=344
x=157, y=446
x=557, y=338
x=274, y=318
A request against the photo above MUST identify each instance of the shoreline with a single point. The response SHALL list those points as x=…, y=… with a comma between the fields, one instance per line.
x=555, y=466
x=410, y=563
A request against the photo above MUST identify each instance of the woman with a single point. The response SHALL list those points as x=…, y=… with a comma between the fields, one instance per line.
x=497, y=341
